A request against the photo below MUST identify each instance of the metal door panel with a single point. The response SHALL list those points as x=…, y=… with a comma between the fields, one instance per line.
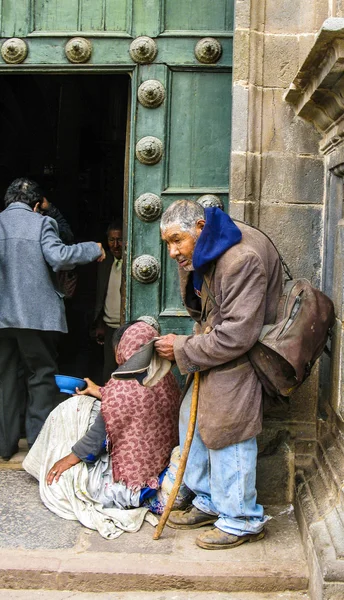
x=198, y=15
x=200, y=130
x=15, y=17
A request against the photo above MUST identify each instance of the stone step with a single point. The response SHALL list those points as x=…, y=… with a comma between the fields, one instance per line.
x=172, y=595
x=39, y=550
x=320, y=510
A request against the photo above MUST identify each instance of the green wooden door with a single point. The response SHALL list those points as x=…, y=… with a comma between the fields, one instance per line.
x=179, y=55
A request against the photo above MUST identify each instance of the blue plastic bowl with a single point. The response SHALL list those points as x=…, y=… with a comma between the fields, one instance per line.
x=67, y=384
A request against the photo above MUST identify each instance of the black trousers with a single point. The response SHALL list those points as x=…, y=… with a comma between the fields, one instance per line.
x=36, y=351
x=109, y=355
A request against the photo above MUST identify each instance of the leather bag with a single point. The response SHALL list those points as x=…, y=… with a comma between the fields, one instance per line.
x=287, y=349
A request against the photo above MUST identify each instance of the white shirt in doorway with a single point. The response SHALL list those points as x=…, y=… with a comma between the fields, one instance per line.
x=112, y=307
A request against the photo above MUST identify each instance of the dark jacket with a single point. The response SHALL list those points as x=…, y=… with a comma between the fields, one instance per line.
x=65, y=231
x=246, y=282
x=103, y=276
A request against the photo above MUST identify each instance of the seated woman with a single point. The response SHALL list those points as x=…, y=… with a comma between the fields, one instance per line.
x=128, y=447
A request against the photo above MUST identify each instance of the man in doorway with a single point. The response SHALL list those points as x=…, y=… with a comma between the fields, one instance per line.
x=32, y=312
x=230, y=283
x=108, y=299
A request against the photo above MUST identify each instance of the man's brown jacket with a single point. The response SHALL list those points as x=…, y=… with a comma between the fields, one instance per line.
x=246, y=283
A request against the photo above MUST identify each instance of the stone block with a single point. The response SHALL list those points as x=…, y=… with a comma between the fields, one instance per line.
x=256, y=58
x=238, y=175
x=337, y=370
x=255, y=118
x=306, y=42
x=281, y=54
x=338, y=279
x=258, y=15
x=321, y=13
x=242, y=14
x=337, y=9
x=241, y=55
x=297, y=233
x=275, y=466
x=239, y=118
x=253, y=177
x=299, y=16
x=295, y=179
x=237, y=210
x=282, y=130
x=304, y=403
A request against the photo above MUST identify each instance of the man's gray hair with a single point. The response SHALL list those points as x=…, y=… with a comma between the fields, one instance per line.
x=184, y=213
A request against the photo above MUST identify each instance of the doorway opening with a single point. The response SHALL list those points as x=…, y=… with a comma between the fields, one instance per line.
x=68, y=133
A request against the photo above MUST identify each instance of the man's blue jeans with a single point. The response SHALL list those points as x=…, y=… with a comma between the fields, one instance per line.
x=224, y=481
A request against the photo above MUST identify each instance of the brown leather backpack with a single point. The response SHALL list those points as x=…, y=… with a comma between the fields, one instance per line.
x=287, y=349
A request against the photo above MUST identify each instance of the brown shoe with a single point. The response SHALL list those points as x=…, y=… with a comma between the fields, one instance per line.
x=191, y=518
x=215, y=539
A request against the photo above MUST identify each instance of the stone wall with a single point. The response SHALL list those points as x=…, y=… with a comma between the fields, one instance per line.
x=277, y=171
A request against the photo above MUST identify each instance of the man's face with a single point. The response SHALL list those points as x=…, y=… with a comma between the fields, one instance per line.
x=115, y=242
x=181, y=244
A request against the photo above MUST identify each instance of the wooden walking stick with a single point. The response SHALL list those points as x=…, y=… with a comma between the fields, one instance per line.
x=183, y=459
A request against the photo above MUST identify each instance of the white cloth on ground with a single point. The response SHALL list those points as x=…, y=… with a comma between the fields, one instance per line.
x=69, y=497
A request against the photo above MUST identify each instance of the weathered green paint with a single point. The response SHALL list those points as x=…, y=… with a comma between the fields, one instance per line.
x=193, y=123
x=198, y=15
x=16, y=18
x=147, y=17
x=56, y=15
x=200, y=129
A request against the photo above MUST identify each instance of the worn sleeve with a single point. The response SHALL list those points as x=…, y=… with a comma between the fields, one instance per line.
x=241, y=303
x=93, y=443
x=62, y=257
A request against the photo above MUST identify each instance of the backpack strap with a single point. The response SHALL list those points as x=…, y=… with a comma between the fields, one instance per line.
x=284, y=264
x=210, y=296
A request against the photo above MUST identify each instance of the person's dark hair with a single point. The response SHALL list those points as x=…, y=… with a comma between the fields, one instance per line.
x=116, y=224
x=116, y=338
x=23, y=190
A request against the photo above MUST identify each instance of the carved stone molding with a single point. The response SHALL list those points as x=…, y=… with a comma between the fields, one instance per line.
x=316, y=92
x=143, y=49
x=339, y=170
x=78, y=50
x=151, y=93
x=148, y=207
x=149, y=150
x=209, y=200
x=208, y=50
x=150, y=321
x=14, y=51
x=145, y=268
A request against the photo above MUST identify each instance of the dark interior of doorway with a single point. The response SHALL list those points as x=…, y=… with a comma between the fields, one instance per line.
x=67, y=132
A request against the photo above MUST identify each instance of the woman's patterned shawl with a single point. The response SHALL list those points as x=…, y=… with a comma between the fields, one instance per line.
x=141, y=423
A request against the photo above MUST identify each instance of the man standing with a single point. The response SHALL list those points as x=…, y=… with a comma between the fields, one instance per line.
x=108, y=299
x=230, y=283
x=31, y=308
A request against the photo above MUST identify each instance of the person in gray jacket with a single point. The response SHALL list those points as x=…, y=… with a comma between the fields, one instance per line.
x=32, y=313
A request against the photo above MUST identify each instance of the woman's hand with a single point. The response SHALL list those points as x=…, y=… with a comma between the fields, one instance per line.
x=60, y=466
x=92, y=389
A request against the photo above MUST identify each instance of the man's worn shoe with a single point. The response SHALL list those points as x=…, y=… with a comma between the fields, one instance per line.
x=191, y=518
x=215, y=539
